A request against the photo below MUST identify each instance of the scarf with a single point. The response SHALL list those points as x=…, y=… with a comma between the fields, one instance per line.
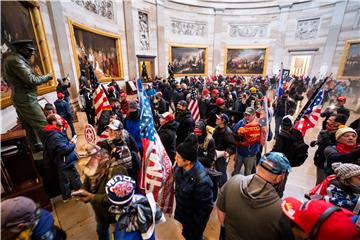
x=342, y=148
x=49, y=127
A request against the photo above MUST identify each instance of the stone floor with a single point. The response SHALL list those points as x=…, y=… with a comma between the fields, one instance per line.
x=77, y=218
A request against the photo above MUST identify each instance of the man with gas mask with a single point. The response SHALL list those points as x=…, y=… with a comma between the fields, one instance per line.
x=122, y=148
x=22, y=80
x=98, y=170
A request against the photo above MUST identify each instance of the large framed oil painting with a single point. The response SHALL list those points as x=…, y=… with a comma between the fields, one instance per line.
x=247, y=61
x=22, y=20
x=349, y=67
x=189, y=59
x=101, y=49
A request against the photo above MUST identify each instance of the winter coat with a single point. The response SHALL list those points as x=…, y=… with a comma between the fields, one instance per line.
x=59, y=148
x=194, y=197
x=342, y=197
x=186, y=125
x=163, y=106
x=132, y=125
x=100, y=202
x=178, y=96
x=167, y=134
x=63, y=109
x=224, y=139
x=206, y=150
x=332, y=155
x=324, y=140
x=284, y=106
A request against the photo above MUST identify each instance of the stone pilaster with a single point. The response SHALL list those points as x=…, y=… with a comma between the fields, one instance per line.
x=217, y=44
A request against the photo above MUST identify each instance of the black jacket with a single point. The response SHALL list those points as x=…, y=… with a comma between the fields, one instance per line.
x=206, y=150
x=104, y=119
x=167, y=134
x=194, y=198
x=224, y=139
x=284, y=106
x=186, y=125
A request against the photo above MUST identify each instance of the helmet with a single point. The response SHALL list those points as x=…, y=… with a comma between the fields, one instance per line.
x=214, y=92
x=219, y=101
x=341, y=99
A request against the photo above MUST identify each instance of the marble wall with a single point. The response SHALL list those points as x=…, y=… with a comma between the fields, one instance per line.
x=147, y=27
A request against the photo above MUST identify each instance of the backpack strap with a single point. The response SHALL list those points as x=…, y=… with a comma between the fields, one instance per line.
x=325, y=215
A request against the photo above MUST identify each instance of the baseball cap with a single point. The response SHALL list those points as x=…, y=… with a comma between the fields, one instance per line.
x=182, y=103
x=223, y=116
x=123, y=95
x=120, y=189
x=115, y=125
x=338, y=225
x=167, y=116
x=60, y=95
x=200, y=127
x=219, y=101
x=17, y=210
x=249, y=111
x=275, y=162
x=133, y=105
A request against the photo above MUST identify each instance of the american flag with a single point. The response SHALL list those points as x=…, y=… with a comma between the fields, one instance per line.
x=156, y=174
x=193, y=106
x=311, y=115
x=100, y=101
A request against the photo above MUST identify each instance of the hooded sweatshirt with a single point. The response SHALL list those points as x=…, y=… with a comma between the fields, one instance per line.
x=252, y=209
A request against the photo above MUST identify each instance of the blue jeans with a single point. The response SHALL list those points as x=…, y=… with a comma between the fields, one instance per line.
x=102, y=230
x=69, y=178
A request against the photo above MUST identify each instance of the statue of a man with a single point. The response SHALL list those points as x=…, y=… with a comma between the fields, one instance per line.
x=19, y=75
x=144, y=73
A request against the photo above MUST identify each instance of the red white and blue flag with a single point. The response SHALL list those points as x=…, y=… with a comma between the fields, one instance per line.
x=193, y=106
x=311, y=115
x=156, y=174
x=100, y=101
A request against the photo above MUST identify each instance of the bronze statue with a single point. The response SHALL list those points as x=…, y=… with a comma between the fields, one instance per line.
x=19, y=75
x=144, y=73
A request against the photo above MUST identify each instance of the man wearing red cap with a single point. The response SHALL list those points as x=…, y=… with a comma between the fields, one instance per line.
x=63, y=109
x=320, y=220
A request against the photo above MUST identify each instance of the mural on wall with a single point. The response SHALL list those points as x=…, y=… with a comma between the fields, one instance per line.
x=350, y=62
x=144, y=31
x=103, y=8
x=188, y=59
x=246, y=60
x=101, y=49
x=307, y=29
x=16, y=24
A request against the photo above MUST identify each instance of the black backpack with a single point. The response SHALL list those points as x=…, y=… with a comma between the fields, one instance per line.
x=297, y=151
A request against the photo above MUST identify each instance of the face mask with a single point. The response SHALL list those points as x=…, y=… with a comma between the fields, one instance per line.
x=355, y=188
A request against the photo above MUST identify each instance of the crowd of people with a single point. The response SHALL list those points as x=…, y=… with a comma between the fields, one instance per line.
x=235, y=125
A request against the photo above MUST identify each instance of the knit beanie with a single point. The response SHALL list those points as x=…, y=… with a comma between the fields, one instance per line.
x=342, y=130
x=286, y=122
x=188, y=149
x=341, y=118
x=345, y=171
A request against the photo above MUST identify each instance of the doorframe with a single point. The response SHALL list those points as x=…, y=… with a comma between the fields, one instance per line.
x=146, y=58
x=298, y=52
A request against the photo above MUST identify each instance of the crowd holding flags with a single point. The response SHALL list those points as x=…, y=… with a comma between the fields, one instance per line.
x=156, y=173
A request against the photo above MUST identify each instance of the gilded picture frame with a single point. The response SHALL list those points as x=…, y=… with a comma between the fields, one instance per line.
x=179, y=53
x=251, y=60
x=42, y=55
x=349, y=67
x=104, y=74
